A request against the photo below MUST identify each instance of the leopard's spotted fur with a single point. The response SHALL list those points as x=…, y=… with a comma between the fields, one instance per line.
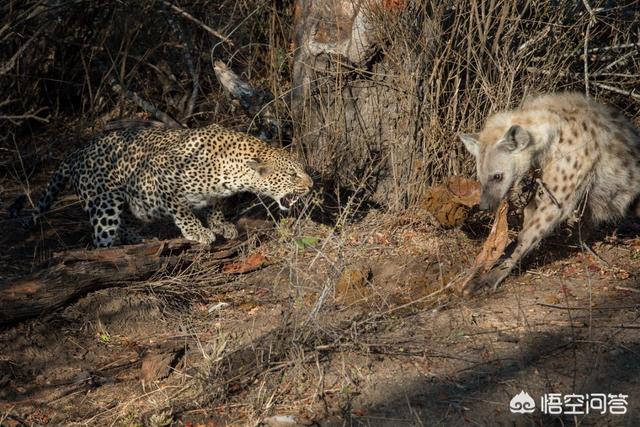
x=169, y=172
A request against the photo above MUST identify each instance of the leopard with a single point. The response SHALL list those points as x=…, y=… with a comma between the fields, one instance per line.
x=152, y=173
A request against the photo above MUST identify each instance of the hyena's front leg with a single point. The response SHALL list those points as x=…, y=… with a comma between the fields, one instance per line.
x=541, y=216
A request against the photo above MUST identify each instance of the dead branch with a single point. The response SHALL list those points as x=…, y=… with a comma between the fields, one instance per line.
x=71, y=274
x=619, y=60
x=12, y=61
x=195, y=20
x=585, y=58
x=257, y=103
x=142, y=103
x=188, y=57
x=632, y=93
x=16, y=118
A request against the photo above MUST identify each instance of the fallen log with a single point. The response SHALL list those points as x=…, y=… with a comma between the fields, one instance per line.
x=70, y=275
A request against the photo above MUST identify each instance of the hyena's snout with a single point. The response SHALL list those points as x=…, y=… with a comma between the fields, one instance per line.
x=489, y=201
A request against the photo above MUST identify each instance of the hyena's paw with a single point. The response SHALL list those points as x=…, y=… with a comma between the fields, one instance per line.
x=485, y=282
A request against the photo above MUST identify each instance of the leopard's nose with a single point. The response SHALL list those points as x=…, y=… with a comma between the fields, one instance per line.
x=307, y=181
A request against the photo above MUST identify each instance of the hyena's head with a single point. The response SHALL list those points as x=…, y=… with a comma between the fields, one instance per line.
x=502, y=157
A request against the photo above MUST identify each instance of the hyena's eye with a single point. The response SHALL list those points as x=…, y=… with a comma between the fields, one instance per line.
x=497, y=177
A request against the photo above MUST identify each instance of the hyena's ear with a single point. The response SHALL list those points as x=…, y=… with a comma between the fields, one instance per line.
x=516, y=138
x=259, y=166
x=471, y=143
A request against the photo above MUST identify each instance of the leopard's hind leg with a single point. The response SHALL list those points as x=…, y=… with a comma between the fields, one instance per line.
x=105, y=212
x=126, y=233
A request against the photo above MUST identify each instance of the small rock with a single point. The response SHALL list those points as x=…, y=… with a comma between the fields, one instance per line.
x=217, y=307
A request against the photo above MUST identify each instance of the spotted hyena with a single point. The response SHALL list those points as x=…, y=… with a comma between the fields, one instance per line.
x=586, y=156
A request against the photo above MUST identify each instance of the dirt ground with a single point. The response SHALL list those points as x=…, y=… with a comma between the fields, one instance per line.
x=348, y=322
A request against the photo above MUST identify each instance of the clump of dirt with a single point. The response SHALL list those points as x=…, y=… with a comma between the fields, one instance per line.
x=450, y=202
x=353, y=284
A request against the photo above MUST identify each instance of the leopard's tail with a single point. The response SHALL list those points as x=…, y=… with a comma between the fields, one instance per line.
x=55, y=186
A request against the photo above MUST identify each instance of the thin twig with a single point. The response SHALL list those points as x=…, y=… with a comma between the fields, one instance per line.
x=564, y=307
x=204, y=26
x=31, y=115
x=632, y=93
x=142, y=103
x=188, y=57
x=592, y=20
x=548, y=192
x=12, y=61
x=612, y=64
x=625, y=288
x=608, y=48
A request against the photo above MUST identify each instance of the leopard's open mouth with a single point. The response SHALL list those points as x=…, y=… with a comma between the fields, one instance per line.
x=288, y=200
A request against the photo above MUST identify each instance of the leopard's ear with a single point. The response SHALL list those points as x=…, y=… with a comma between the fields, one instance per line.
x=259, y=166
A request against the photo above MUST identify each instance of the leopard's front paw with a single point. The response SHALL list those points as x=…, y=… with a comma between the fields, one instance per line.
x=204, y=236
x=225, y=229
x=229, y=231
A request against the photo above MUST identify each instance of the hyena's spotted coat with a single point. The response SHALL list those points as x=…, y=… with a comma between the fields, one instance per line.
x=588, y=156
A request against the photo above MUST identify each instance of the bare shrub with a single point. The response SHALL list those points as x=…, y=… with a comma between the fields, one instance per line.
x=100, y=61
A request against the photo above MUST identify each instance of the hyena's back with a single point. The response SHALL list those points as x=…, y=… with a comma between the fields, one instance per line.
x=600, y=144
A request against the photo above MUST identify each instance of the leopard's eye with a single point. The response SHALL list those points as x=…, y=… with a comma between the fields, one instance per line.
x=497, y=177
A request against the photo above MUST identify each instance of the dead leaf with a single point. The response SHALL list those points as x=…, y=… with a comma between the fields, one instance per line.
x=394, y=5
x=358, y=412
x=622, y=275
x=280, y=421
x=379, y=238
x=497, y=240
x=253, y=262
x=551, y=299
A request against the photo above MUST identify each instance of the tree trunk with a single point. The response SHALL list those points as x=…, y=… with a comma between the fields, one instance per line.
x=357, y=94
